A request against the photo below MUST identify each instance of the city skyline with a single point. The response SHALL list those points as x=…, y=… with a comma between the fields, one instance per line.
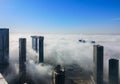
x=61, y=16
x=87, y=66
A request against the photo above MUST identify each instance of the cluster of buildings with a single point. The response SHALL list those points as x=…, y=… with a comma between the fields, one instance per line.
x=58, y=75
x=98, y=67
x=37, y=45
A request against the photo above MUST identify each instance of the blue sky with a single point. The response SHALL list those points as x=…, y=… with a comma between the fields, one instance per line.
x=61, y=16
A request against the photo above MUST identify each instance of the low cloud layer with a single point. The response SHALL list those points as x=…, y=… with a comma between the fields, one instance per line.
x=62, y=49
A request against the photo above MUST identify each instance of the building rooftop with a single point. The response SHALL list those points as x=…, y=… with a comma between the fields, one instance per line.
x=37, y=36
x=4, y=28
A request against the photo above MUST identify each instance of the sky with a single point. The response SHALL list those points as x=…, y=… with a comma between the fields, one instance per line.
x=61, y=16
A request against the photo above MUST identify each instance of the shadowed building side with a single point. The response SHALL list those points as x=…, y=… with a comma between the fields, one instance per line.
x=41, y=49
x=4, y=49
x=98, y=56
x=22, y=60
x=59, y=75
x=113, y=71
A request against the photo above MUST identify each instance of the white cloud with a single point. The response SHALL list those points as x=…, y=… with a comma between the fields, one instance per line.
x=65, y=50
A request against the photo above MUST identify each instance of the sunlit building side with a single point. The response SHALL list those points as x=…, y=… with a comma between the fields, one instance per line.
x=59, y=75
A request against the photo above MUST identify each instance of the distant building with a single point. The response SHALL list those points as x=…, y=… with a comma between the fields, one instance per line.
x=113, y=71
x=59, y=75
x=4, y=49
x=38, y=46
x=2, y=80
x=92, y=41
x=82, y=41
x=98, y=56
x=22, y=60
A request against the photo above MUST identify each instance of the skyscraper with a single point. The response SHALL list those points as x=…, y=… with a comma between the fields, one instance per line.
x=113, y=71
x=41, y=49
x=22, y=60
x=38, y=46
x=34, y=43
x=4, y=48
x=59, y=75
x=98, y=56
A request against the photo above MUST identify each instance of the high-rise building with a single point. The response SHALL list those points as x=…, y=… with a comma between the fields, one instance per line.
x=59, y=75
x=22, y=60
x=38, y=46
x=41, y=49
x=34, y=43
x=98, y=56
x=113, y=71
x=4, y=49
